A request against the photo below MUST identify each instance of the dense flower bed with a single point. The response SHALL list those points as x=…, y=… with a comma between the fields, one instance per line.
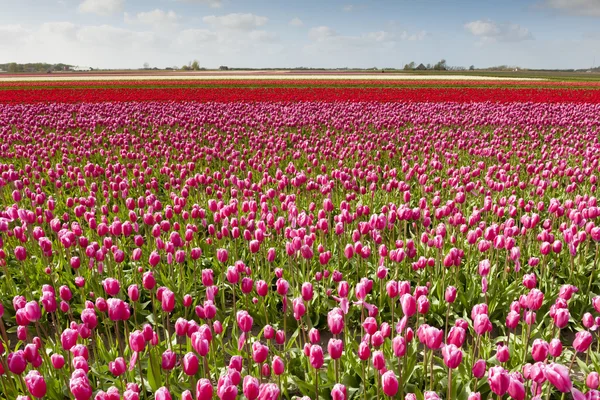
x=281, y=94
x=107, y=82
x=355, y=249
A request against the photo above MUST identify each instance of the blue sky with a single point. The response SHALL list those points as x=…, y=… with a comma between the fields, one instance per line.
x=326, y=33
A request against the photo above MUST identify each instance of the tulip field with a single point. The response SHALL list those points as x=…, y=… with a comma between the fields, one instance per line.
x=299, y=240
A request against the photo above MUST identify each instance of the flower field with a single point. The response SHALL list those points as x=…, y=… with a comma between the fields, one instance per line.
x=317, y=240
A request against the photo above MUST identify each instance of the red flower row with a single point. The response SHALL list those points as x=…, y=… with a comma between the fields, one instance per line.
x=461, y=95
x=292, y=82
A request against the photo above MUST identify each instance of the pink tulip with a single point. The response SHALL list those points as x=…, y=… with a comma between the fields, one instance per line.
x=478, y=369
x=68, y=338
x=482, y=324
x=364, y=352
x=498, y=380
x=583, y=340
x=58, y=361
x=433, y=337
x=168, y=360
x=33, y=311
x=539, y=350
x=389, y=383
x=278, y=366
x=516, y=389
x=244, y=321
x=250, y=387
x=111, y=286
x=456, y=336
x=190, y=364
x=162, y=394
x=335, y=347
x=187, y=395
x=452, y=356
x=555, y=347
x=450, y=295
x=529, y=281
x=79, y=385
x=378, y=360
x=502, y=354
x=339, y=392
x=409, y=305
x=335, y=321
x=316, y=356
x=268, y=391
x=260, y=352
x=399, y=346
x=558, y=375
x=36, y=385
x=204, y=389
x=592, y=381
x=117, y=367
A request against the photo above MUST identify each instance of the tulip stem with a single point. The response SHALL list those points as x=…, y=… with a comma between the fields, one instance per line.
x=119, y=341
x=593, y=270
x=167, y=333
x=424, y=366
x=393, y=305
x=3, y=385
x=376, y=373
x=280, y=391
x=447, y=316
x=449, y=395
x=572, y=361
x=143, y=388
x=400, y=376
x=316, y=383
x=3, y=331
x=362, y=364
x=525, y=349
x=431, y=375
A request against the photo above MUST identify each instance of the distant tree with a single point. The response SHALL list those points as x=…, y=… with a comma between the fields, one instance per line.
x=428, y=66
x=472, y=68
x=185, y=68
x=411, y=65
x=146, y=65
x=195, y=65
x=224, y=68
x=440, y=65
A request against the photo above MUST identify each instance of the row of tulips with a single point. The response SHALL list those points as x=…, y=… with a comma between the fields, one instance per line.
x=280, y=93
x=436, y=83
x=299, y=250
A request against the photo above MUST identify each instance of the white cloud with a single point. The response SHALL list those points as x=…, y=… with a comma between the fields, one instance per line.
x=490, y=31
x=262, y=36
x=327, y=34
x=101, y=7
x=236, y=21
x=110, y=36
x=296, y=22
x=210, y=3
x=196, y=37
x=348, y=8
x=589, y=8
x=421, y=35
x=321, y=33
x=15, y=34
x=157, y=18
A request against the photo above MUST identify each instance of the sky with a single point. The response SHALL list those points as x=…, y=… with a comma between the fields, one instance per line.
x=310, y=33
